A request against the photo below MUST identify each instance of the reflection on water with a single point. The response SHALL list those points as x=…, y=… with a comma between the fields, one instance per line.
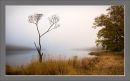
x=23, y=57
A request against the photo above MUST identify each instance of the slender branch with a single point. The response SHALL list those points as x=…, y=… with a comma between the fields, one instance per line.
x=53, y=21
x=39, y=36
x=54, y=27
x=35, y=45
x=47, y=30
x=37, y=28
x=37, y=48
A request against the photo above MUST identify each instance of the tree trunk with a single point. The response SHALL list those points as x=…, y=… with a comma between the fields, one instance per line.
x=40, y=58
x=39, y=47
x=39, y=53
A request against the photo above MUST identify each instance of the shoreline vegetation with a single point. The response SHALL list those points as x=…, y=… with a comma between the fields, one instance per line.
x=105, y=63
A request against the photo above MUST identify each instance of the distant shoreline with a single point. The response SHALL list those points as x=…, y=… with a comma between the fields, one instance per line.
x=89, y=48
x=101, y=53
x=18, y=48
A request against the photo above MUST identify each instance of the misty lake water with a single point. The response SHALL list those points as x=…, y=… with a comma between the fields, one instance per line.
x=16, y=58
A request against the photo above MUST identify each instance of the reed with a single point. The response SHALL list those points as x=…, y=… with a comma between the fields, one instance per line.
x=105, y=63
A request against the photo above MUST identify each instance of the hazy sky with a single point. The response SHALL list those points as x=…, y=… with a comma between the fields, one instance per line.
x=75, y=29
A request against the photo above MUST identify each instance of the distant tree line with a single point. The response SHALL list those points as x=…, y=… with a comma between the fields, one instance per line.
x=111, y=34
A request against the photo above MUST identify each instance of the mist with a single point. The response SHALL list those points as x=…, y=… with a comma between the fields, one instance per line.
x=75, y=29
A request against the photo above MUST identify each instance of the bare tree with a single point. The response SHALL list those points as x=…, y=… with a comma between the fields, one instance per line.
x=53, y=25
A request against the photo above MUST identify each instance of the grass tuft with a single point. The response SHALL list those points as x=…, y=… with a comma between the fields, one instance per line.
x=105, y=63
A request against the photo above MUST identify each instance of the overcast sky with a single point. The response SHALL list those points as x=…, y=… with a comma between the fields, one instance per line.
x=75, y=29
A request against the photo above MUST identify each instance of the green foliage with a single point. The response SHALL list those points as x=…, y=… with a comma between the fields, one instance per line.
x=111, y=35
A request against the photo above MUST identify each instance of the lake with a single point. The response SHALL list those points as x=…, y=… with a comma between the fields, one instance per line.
x=17, y=57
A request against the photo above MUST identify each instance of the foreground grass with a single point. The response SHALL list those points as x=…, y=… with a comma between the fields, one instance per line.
x=105, y=63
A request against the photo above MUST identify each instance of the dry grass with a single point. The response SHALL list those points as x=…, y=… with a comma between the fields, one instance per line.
x=111, y=63
x=106, y=63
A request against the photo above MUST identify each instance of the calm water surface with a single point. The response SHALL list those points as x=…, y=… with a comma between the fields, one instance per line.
x=16, y=57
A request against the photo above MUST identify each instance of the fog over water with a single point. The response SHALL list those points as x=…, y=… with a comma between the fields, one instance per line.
x=75, y=31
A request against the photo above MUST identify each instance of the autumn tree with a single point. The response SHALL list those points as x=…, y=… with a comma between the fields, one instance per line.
x=111, y=34
x=34, y=19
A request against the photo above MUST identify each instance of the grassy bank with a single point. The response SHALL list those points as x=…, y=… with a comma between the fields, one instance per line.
x=105, y=63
